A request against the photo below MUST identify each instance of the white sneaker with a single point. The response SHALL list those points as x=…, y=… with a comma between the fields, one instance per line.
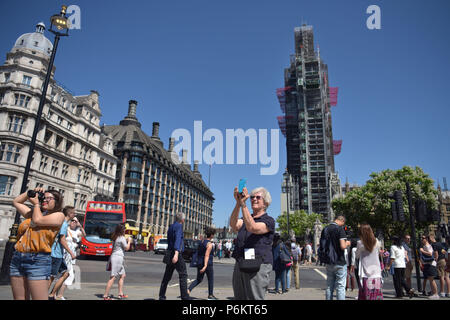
x=442, y=295
x=61, y=298
x=434, y=297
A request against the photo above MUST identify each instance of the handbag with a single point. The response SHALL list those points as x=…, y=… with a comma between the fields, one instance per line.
x=285, y=258
x=108, y=265
x=194, y=260
x=250, y=265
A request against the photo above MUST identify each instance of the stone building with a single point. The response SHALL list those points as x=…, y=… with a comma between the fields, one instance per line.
x=152, y=181
x=71, y=155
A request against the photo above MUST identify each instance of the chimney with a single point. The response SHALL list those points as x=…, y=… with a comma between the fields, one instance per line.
x=132, y=104
x=195, y=166
x=131, y=119
x=155, y=131
x=171, y=144
x=184, y=156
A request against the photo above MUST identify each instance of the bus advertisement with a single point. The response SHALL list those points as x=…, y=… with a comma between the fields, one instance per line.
x=100, y=221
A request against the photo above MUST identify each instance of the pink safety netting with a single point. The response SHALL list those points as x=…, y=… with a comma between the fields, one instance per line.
x=333, y=95
x=337, y=145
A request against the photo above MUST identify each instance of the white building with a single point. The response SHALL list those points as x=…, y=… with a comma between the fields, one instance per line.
x=72, y=154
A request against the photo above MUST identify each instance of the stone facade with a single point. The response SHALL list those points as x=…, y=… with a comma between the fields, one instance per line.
x=153, y=183
x=71, y=155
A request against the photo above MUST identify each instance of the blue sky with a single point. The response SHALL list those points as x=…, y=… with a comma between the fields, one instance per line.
x=220, y=62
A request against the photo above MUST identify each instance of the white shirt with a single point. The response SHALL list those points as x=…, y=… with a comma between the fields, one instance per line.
x=399, y=255
x=369, y=262
x=308, y=249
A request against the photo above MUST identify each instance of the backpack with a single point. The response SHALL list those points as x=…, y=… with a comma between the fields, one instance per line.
x=285, y=258
x=327, y=253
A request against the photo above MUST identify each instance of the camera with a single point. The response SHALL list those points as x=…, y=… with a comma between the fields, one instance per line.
x=32, y=194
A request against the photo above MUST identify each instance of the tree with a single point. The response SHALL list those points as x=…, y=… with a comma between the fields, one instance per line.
x=299, y=222
x=371, y=203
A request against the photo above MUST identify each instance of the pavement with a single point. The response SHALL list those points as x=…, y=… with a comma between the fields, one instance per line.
x=94, y=291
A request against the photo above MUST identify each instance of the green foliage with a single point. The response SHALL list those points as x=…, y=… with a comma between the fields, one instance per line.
x=299, y=222
x=371, y=202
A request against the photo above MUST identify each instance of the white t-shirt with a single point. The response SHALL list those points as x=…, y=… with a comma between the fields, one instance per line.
x=369, y=262
x=74, y=235
x=308, y=249
x=398, y=254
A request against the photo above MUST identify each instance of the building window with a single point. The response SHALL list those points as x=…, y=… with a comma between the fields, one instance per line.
x=55, y=168
x=43, y=163
x=59, y=121
x=16, y=123
x=79, y=175
x=39, y=185
x=6, y=185
x=7, y=77
x=59, y=141
x=26, y=80
x=10, y=152
x=65, y=171
x=21, y=100
x=75, y=199
x=69, y=126
x=68, y=146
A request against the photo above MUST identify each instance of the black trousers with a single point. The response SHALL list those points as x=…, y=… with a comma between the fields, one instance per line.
x=399, y=281
x=210, y=274
x=180, y=266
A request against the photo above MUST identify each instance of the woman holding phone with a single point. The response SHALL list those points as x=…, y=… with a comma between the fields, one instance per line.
x=253, y=250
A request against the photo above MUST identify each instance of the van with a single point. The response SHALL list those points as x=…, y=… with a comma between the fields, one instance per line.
x=161, y=246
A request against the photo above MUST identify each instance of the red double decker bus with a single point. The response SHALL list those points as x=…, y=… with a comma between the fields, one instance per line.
x=100, y=221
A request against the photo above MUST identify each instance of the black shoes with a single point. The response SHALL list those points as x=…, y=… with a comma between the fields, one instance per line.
x=212, y=297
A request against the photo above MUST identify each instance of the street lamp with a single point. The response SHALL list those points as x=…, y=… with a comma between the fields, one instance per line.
x=285, y=188
x=60, y=22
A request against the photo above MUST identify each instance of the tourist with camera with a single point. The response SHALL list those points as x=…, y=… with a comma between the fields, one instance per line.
x=31, y=263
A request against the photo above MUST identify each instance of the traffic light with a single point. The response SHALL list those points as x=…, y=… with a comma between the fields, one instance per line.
x=433, y=215
x=394, y=211
x=399, y=204
x=421, y=210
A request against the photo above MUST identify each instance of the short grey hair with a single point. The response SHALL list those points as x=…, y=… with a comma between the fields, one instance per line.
x=265, y=194
x=180, y=216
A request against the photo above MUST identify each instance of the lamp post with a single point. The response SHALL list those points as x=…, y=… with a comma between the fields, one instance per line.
x=60, y=22
x=286, y=189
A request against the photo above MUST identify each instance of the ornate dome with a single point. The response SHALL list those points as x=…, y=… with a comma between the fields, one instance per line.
x=35, y=41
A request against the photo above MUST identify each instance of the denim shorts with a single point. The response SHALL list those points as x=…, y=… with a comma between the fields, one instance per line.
x=58, y=266
x=33, y=266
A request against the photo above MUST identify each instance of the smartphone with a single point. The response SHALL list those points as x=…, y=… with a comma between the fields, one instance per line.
x=242, y=185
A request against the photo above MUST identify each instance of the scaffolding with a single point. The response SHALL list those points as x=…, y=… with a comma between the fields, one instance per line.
x=306, y=124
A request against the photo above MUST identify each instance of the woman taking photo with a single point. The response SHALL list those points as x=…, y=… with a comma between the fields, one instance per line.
x=369, y=269
x=205, y=264
x=120, y=245
x=253, y=251
x=31, y=262
x=399, y=257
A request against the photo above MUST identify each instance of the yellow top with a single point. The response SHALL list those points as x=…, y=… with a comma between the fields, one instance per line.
x=33, y=238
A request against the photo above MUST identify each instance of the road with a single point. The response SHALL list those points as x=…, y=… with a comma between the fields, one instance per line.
x=145, y=271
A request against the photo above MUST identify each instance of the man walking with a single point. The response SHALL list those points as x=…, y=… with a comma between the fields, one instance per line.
x=409, y=263
x=296, y=257
x=175, y=249
x=333, y=242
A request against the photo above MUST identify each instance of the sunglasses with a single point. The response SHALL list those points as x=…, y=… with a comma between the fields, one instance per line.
x=255, y=197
